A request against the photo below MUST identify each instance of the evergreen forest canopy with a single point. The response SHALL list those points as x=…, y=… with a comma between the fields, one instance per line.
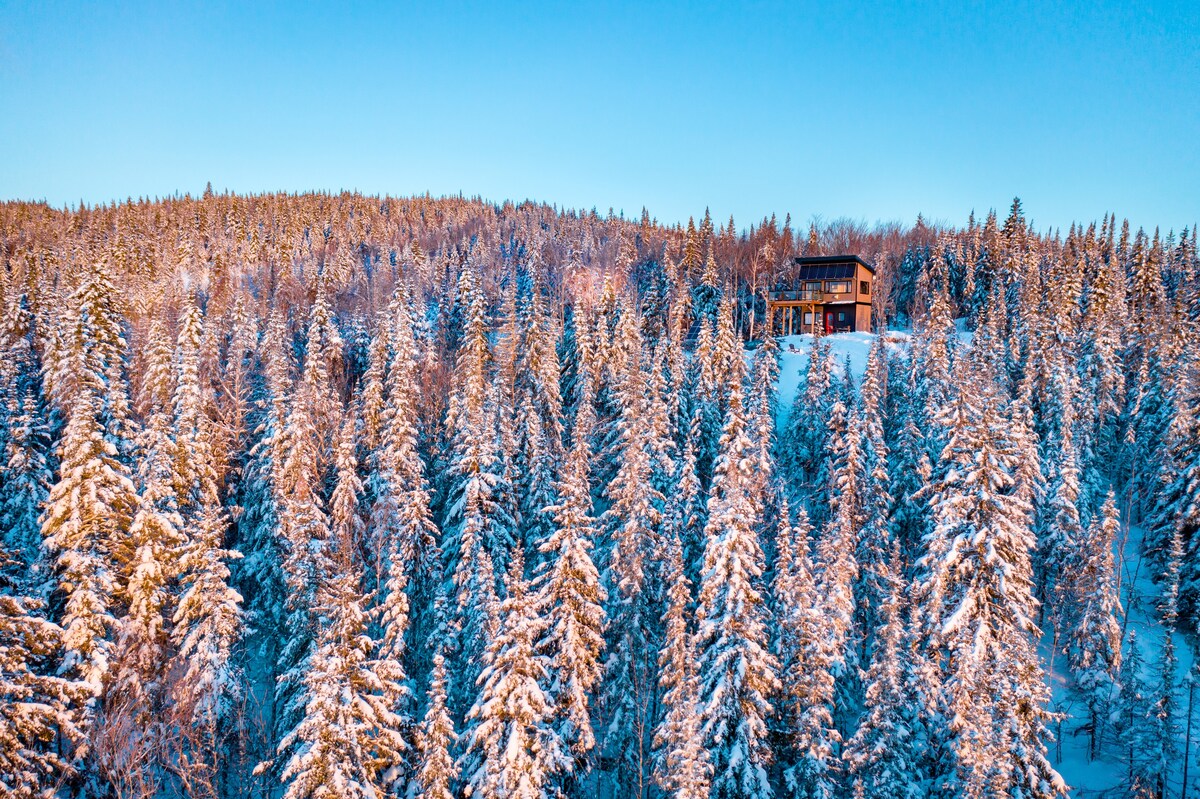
x=338, y=496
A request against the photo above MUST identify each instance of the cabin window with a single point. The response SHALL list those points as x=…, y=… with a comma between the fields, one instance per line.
x=841, y=316
x=839, y=286
x=808, y=320
x=864, y=287
x=813, y=286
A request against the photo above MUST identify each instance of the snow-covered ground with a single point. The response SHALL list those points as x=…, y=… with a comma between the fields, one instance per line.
x=793, y=359
x=1139, y=600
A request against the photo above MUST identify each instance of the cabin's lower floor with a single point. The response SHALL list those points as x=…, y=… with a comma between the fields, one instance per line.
x=842, y=317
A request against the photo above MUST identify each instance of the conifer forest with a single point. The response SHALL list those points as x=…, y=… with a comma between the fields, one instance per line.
x=333, y=496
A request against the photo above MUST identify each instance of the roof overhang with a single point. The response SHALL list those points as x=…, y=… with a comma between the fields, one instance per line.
x=830, y=260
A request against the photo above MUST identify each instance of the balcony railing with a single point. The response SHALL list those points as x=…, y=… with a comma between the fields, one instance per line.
x=803, y=295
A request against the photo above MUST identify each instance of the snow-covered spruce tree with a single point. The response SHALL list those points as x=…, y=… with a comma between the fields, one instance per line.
x=395, y=614
x=535, y=467
x=1175, y=506
x=707, y=295
x=394, y=609
x=1131, y=720
x=935, y=337
x=676, y=364
x=39, y=715
x=323, y=347
x=1060, y=533
x=881, y=755
x=681, y=764
x=401, y=531
x=539, y=369
x=437, y=774
x=738, y=671
x=90, y=507
x=134, y=702
x=25, y=443
x=729, y=360
x=478, y=525
x=1100, y=372
x=476, y=607
x=1146, y=429
x=705, y=402
x=1159, y=741
x=345, y=523
x=195, y=476
x=763, y=412
x=502, y=422
x=303, y=531
x=512, y=750
x=803, y=445
x=874, y=545
x=571, y=599
x=803, y=645
x=660, y=435
x=685, y=514
x=1094, y=639
x=975, y=594
x=236, y=366
x=259, y=576
x=631, y=525
x=837, y=570
x=207, y=625
x=374, y=392
x=913, y=470
x=347, y=737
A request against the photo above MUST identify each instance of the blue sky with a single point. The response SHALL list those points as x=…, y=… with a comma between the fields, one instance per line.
x=873, y=111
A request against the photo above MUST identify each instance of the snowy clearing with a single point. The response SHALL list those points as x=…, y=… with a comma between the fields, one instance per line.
x=794, y=352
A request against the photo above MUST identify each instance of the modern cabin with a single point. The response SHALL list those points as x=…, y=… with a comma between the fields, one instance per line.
x=826, y=294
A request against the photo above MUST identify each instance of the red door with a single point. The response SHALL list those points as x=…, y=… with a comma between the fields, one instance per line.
x=829, y=321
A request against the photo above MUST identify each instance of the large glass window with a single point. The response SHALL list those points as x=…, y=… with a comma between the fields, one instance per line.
x=838, y=286
x=814, y=285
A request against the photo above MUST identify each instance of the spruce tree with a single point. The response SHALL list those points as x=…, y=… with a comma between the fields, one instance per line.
x=738, y=670
x=135, y=699
x=881, y=755
x=681, y=764
x=977, y=591
x=512, y=749
x=26, y=456
x=571, y=598
x=348, y=736
x=90, y=507
x=1160, y=736
x=207, y=626
x=1094, y=643
x=438, y=773
x=632, y=526
x=39, y=717
x=804, y=646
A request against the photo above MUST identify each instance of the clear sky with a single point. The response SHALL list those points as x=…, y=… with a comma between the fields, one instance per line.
x=860, y=109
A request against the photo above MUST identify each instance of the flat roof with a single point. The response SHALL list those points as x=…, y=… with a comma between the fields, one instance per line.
x=829, y=260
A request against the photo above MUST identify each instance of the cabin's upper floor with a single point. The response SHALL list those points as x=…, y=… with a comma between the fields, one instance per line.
x=827, y=279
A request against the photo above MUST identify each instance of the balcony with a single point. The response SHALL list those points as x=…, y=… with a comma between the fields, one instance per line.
x=797, y=296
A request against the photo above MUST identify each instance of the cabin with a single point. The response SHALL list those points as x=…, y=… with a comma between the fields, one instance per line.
x=826, y=294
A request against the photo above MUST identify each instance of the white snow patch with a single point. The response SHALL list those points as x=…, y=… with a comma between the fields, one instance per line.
x=964, y=335
x=794, y=353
